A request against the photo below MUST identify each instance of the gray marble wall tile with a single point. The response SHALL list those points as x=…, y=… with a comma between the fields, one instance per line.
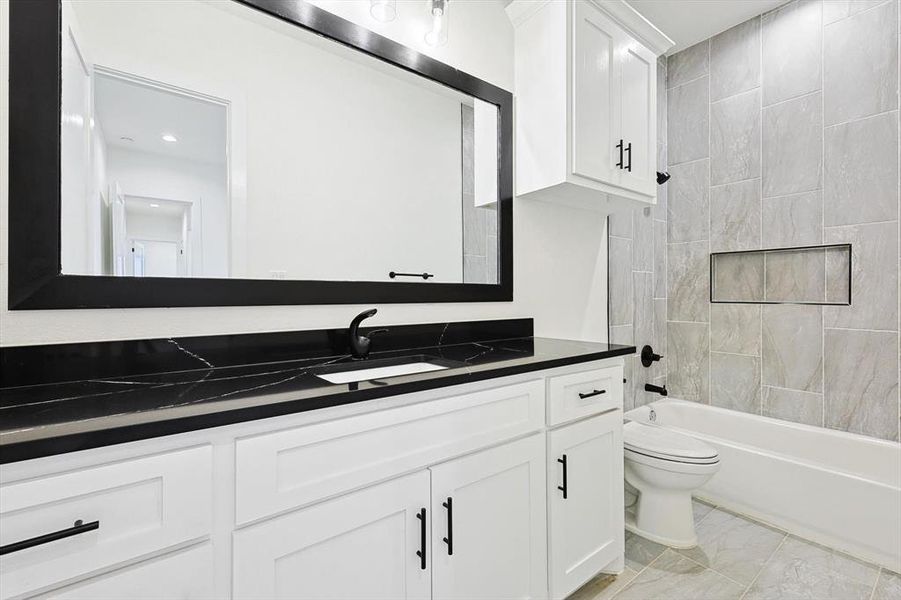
x=673, y=577
x=795, y=220
x=687, y=213
x=860, y=58
x=643, y=318
x=874, y=277
x=643, y=240
x=687, y=281
x=862, y=382
x=793, y=347
x=735, y=382
x=687, y=65
x=661, y=100
x=735, y=138
x=658, y=369
x=619, y=224
x=687, y=123
x=861, y=182
x=735, y=328
x=733, y=545
x=888, y=587
x=836, y=10
x=791, y=38
x=475, y=229
x=738, y=278
x=793, y=146
x=735, y=60
x=735, y=216
x=801, y=569
x=475, y=269
x=793, y=405
x=838, y=276
x=796, y=276
x=622, y=334
x=491, y=257
x=620, y=281
x=688, y=373
x=660, y=259
x=662, y=193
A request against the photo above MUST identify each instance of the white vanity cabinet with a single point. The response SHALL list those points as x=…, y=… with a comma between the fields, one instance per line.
x=585, y=500
x=586, y=88
x=450, y=493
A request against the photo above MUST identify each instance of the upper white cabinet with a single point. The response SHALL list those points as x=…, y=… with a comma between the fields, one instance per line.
x=586, y=88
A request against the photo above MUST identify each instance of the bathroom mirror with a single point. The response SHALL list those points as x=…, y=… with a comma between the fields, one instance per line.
x=255, y=152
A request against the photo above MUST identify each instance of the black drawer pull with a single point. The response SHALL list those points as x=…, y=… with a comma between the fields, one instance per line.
x=449, y=540
x=78, y=527
x=619, y=147
x=563, y=488
x=422, y=538
x=591, y=393
x=628, y=167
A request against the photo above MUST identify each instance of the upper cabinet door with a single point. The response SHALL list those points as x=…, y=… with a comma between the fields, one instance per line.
x=595, y=89
x=638, y=67
x=361, y=545
x=489, y=533
x=586, y=515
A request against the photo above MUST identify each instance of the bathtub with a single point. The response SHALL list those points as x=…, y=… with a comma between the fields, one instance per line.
x=839, y=489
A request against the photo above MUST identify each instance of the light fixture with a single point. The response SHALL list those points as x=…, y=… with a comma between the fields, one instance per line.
x=168, y=137
x=152, y=205
x=437, y=36
x=383, y=10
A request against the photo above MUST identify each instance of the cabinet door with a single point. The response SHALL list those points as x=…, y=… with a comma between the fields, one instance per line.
x=489, y=534
x=638, y=68
x=586, y=521
x=595, y=95
x=184, y=575
x=361, y=545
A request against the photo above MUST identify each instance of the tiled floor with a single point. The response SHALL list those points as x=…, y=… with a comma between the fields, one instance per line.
x=740, y=559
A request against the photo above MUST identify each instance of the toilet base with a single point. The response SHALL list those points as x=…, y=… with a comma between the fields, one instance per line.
x=679, y=543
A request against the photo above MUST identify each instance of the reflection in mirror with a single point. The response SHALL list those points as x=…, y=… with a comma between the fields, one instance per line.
x=210, y=140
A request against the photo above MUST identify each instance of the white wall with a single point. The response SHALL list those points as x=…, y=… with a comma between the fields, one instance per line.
x=202, y=184
x=560, y=253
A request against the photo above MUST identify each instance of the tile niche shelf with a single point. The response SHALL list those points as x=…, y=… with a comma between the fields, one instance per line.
x=801, y=275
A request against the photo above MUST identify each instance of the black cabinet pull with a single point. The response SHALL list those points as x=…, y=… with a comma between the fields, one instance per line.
x=628, y=167
x=78, y=527
x=449, y=540
x=563, y=488
x=619, y=147
x=422, y=541
x=593, y=393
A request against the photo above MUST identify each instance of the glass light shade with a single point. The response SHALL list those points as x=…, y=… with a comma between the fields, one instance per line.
x=383, y=10
x=437, y=35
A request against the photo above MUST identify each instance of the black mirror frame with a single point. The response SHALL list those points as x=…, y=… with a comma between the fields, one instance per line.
x=36, y=280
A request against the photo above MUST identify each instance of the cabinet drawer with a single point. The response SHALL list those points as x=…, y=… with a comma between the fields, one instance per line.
x=287, y=469
x=185, y=575
x=578, y=395
x=138, y=506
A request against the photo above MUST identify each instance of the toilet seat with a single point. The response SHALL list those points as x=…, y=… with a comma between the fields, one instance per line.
x=652, y=442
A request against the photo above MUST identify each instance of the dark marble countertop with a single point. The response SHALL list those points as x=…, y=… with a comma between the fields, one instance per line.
x=42, y=420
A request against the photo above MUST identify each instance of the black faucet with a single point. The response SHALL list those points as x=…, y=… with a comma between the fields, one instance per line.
x=657, y=389
x=359, y=344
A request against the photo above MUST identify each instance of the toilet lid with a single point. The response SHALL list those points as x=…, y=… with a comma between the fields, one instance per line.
x=653, y=440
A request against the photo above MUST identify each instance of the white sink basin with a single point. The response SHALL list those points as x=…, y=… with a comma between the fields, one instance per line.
x=354, y=373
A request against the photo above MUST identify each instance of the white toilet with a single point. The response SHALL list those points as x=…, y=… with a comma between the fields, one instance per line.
x=665, y=466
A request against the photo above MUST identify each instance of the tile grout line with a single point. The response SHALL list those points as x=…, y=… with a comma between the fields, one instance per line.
x=823, y=206
x=875, y=583
x=763, y=566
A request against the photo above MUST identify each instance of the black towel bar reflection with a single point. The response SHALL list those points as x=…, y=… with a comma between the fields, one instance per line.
x=77, y=528
x=394, y=274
